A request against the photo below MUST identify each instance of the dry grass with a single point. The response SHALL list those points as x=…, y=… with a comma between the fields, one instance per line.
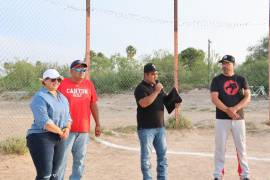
x=14, y=145
x=184, y=123
x=126, y=129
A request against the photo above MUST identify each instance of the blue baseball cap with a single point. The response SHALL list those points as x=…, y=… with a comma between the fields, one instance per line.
x=78, y=63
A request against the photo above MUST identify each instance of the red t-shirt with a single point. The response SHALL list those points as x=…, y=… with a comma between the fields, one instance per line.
x=79, y=96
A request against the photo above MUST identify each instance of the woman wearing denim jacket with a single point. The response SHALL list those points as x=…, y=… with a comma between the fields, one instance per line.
x=52, y=122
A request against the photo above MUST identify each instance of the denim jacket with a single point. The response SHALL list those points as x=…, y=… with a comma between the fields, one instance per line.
x=47, y=108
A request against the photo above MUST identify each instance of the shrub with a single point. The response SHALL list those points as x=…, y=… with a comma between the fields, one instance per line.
x=256, y=77
x=105, y=82
x=24, y=76
x=115, y=82
x=14, y=145
x=184, y=123
x=128, y=79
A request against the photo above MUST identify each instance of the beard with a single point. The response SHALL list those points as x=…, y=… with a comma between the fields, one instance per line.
x=225, y=70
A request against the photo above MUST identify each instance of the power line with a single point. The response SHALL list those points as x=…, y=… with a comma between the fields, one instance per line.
x=148, y=19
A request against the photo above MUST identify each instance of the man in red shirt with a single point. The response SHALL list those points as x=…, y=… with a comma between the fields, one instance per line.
x=82, y=98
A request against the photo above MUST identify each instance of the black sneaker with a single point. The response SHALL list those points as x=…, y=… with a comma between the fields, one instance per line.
x=216, y=179
x=245, y=179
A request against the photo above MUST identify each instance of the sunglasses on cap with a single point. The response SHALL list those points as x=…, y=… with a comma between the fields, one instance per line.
x=80, y=69
x=54, y=80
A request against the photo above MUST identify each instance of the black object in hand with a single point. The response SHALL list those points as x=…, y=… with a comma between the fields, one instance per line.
x=171, y=99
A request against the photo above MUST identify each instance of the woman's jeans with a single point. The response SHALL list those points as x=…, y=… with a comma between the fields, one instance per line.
x=153, y=137
x=47, y=150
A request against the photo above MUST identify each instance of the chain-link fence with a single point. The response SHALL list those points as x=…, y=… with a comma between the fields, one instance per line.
x=114, y=76
x=34, y=39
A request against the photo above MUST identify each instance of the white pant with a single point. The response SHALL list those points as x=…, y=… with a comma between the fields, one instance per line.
x=238, y=129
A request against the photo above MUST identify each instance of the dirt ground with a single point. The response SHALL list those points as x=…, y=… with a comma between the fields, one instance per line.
x=104, y=162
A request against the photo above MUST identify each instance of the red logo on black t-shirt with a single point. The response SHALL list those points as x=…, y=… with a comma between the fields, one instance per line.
x=231, y=87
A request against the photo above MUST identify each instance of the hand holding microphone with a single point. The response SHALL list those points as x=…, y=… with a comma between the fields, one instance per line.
x=158, y=86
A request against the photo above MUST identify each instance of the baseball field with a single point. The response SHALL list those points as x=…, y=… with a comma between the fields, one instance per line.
x=115, y=155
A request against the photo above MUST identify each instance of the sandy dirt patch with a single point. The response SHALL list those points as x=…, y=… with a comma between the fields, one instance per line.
x=106, y=163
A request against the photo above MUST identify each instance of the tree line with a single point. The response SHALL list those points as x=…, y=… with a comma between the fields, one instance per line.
x=118, y=73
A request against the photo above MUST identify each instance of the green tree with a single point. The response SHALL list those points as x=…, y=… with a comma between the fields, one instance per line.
x=199, y=74
x=259, y=51
x=121, y=74
x=255, y=67
x=92, y=53
x=256, y=73
x=99, y=62
x=131, y=52
x=20, y=75
x=190, y=55
x=23, y=75
x=164, y=63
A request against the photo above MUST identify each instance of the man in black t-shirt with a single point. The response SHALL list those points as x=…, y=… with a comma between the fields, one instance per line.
x=230, y=94
x=150, y=120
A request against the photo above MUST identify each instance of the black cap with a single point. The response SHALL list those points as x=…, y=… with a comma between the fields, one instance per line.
x=149, y=67
x=78, y=63
x=227, y=58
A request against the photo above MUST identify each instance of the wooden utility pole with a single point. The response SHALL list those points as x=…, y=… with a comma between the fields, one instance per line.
x=87, y=47
x=176, y=56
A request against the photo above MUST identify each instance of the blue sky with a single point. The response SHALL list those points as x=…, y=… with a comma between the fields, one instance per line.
x=54, y=30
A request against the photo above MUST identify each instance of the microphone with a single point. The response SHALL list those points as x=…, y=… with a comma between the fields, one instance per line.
x=162, y=91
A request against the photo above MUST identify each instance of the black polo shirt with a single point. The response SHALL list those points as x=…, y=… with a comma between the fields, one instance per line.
x=151, y=116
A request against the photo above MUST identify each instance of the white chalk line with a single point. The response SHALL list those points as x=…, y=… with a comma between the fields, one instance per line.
x=199, y=154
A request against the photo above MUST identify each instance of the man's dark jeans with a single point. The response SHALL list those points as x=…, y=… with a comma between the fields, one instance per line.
x=47, y=150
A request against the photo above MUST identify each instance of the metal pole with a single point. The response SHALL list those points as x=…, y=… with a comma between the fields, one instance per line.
x=208, y=60
x=176, y=56
x=87, y=47
x=269, y=65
